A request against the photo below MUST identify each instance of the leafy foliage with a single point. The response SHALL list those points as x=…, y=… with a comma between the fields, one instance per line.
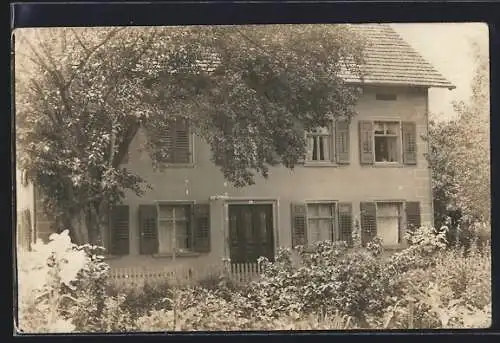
x=82, y=95
x=61, y=288
x=329, y=279
x=327, y=286
x=41, y=275
x=460, y=157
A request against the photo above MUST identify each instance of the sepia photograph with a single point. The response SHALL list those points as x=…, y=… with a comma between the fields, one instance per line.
x=252, y=177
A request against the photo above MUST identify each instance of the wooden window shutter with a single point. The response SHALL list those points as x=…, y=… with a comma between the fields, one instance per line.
x=29, y=229
x=368, y=221
x=24, y=234
x=342, y=141
x=413, y=215
x=409, y=133
x=299, y=224
x=201, y=228
x=345, y=222
x=366, y=142
x=148, y=229
x=120, y=230
x=178, y=143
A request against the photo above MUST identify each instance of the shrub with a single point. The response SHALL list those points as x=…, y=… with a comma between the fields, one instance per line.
x=89, y=287
x=138, y=300
x=43, y=276
x=62, y=289
x=452, y=289
x=199, y=309
x=329, y=279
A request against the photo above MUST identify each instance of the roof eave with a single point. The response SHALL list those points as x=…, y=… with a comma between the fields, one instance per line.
x=449, y=86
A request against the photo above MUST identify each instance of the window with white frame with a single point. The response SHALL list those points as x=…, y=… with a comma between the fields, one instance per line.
x=174, y=231
x=389, y=218
x=387, y=141
x=320, y=144
x=321, y=220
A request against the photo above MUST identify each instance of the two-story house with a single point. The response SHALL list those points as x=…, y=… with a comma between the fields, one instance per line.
x=370, y=173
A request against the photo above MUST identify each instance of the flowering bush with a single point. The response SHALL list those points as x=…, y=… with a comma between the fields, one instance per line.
x=61, y=288
x=41, y=274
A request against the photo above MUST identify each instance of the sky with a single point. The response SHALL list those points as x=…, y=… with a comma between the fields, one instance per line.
x=447, y=46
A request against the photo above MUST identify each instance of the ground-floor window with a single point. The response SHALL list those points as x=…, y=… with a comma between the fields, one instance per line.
x=315, y=221
x=388, y=220
x=389, y=217
x=174, y=231
x=321, y=220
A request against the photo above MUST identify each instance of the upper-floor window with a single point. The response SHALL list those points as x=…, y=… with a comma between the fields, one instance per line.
x=328, y=144
x=176, y=142
x=320, y=144
x=387, y=142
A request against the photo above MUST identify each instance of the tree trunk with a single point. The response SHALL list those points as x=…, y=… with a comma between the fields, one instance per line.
x=97, y=224
x=80, y=229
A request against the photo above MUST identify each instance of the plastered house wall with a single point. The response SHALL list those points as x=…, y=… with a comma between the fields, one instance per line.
x=348, y=183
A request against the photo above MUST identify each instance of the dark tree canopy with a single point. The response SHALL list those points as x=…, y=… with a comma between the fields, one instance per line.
x=250, y=92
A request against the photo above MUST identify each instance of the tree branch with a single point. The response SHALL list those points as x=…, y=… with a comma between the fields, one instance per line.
x=90, y=51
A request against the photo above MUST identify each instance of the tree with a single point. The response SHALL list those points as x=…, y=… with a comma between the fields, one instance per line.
x=460, y=155
x=82, y=95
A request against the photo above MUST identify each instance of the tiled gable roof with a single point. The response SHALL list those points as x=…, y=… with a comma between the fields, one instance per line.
x=390, y=60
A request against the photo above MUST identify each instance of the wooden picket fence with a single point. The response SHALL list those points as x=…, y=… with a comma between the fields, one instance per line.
x=182, y=275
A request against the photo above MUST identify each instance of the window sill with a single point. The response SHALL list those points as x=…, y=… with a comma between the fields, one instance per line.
x=178, y=165
x=320, y=164
x=388, y=165
x=178, y=254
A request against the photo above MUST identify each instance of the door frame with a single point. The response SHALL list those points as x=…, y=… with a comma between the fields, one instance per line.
x=251, y=201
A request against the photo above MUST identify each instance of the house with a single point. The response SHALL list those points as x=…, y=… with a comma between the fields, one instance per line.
x=371, y=173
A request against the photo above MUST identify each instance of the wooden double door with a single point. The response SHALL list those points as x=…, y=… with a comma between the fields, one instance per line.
x=251, y=232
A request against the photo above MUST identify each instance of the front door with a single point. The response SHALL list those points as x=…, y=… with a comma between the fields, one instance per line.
x=250, y=232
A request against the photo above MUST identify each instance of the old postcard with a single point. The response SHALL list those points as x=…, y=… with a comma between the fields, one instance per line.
x=252, y=177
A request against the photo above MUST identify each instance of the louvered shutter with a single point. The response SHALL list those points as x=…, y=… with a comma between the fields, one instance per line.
x=148, y=229
x=120, y=230
x=366, y=142
x=413, y=215
x=299, y=224
x=345, y=222
x=28, y=229
x=201, y=228
x=409, y=130
x=176, y=139
x=342, y=141
x=22, y=230
x=368, y=221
